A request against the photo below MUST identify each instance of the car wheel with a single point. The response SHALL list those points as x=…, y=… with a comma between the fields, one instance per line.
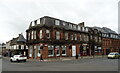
x=17, y=60
x=24, y=60
x=11, y=60
x=108, y=58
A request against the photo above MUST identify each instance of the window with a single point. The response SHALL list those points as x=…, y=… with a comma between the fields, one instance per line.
x=71, y=36
x=28, y=36
x=38, y=51
x=47, y=34
x=44, y=20
x=86, y=29
x=70, y=25
x=34, y=34
x=57, y=22
x=31, y=51
x=57, y=35
x=38, y=21
x=79, y=28
x=64, y=23
x=50, y=50
x=32, y=23
x=63, y=50
x=22, y=46
x=40, y=34
x=74, y=26
x=58, y=50
x=66, y=36
x=83, y=28
x=99, y=39
x=80, y=37
x=75, y=36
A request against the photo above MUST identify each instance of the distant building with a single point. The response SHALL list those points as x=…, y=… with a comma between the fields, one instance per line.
x=2, y=48
x=110, y=40
x=17, y=46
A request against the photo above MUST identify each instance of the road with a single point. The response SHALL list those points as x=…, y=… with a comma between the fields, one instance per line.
x=97, y=64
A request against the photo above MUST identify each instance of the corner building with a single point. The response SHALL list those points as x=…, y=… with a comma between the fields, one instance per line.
x=51, y=37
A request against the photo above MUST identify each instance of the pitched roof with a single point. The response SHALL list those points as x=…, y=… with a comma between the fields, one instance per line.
x=21, y=38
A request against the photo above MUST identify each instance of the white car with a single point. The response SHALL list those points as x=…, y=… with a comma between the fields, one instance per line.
x=113, y=55
x=18, y=58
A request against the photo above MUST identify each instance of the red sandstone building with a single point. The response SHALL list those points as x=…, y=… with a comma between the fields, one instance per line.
x=53, y=37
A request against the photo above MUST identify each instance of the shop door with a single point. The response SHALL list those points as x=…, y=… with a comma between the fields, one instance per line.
x=73, y=50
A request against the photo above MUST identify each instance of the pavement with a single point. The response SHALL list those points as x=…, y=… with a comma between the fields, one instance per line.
x=62, y=58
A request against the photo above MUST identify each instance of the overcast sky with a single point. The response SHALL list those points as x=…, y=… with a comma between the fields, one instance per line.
x=16, y=15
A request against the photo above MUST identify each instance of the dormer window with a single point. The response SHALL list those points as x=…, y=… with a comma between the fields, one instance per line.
x=32, y=23
x=83, y=28
x=57, y=22
x=64, y=23
x=38, y=21
x=70, y=25
x=79, y=28
x=74, y=26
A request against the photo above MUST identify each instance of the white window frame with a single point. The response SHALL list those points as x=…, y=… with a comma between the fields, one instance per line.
x=48, y=32
x=64, y=23
x=57, y=35
x=33, y=23
x=38, y=21
x=34, y=34
x=40, y=36
x=57, y=22
x=66, y=36
x=75, y=36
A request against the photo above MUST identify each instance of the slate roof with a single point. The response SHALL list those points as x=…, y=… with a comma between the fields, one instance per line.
x=21, y=38
x=105, y=30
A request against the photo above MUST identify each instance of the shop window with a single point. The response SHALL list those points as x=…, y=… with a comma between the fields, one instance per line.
x=38, y=54
x=31, y=51
x=58, y=50
x=57, y=35
x=50, y=50
x=47, y=34
x=63, y=50
x=40, y=34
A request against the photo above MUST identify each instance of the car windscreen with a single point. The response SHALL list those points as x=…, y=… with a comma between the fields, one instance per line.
x=112, y=54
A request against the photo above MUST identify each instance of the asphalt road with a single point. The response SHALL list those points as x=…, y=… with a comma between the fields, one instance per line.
x=97, y=64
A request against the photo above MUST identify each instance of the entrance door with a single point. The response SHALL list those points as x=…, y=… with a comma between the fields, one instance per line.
x=73, y=50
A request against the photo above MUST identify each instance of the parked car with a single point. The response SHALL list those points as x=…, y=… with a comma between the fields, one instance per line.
x=18, y=58
x=113, y=55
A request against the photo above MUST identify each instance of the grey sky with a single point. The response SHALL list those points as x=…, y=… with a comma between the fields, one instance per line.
x=16, y=15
